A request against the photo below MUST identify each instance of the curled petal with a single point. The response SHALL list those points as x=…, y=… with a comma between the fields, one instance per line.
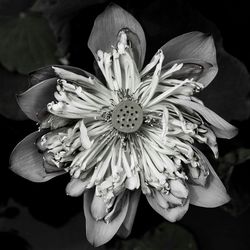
x=190, y=47
x=99, y=232
x=76, y=187
x=213, y=194
x=107, y=26
x=79, y=76
x=192, y=69
x=127, y=225
x=221, y=128
x=35, y=99
x=178, y=189
x=197, y=176
x=171, y=214
x=27, y=162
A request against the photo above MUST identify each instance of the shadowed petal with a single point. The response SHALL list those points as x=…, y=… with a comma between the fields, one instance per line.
x=40, y=75
x=106, y=29
x=35, y=99
x=170, y=214
x=127, y=225
x=27, y=162
x=221, y=128
x=197, y=176
x=192, y=69
x=213, y=194
x=99, y=232
x=191, y=47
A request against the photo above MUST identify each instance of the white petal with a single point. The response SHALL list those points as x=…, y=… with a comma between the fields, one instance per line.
x=99, y=232
x=170, y=214
x=221, y=128
x=213, y=194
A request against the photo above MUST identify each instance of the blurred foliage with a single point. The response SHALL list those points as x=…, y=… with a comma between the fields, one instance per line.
x=26, y=43
x=233, y=169
x=165, y=236
x=59, y=14
x=10, y=85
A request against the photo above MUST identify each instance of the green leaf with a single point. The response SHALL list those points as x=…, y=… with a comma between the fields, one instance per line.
x=26, y=43
x=165, y=236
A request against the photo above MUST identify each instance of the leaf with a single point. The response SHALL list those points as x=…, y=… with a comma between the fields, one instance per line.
x=40, y=235
x=27, y=43
x=11, y=84
x=59, y=14
x=233, y=168
x=14, y=7
x=165, y=236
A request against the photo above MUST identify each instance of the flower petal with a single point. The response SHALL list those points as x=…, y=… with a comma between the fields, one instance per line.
x=197, y=176
x=26, y=161
x=190, y=47
x=192, y=69
x=213, y=194
x=221, y=128
x=170, y=214
x=76, y=187
x=34, y=100
x=106, y=29
x=127, y=224
x=40, y=75
x=99, y=232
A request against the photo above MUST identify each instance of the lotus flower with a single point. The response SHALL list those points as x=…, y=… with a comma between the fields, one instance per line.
x=132, y=132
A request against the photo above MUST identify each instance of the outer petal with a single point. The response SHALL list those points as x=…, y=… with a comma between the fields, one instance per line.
x=170, y=214
x=40, y=75
x=99, y=232
x=191, y=47
x=221, y=128
x=127, y=225
x=213, y=194
x=35, y=99
x=27, y=162
x=106, y=28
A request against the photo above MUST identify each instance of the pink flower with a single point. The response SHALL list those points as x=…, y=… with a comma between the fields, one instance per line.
x=134, y=132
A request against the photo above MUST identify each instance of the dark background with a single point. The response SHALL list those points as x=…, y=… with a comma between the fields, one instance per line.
x=41, y=216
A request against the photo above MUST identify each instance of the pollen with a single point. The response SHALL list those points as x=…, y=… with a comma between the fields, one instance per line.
x=127, y=116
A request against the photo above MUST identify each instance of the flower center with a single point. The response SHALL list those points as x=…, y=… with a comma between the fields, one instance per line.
x=127, y=116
